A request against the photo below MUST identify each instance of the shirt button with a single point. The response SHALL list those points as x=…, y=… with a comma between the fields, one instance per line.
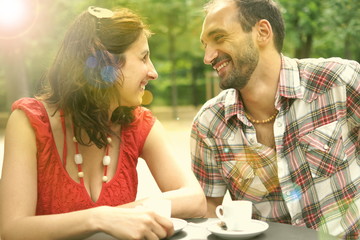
x=279, y=124
x=297, y=221
x=252, y=140
x=288, y=193
x=326, y=147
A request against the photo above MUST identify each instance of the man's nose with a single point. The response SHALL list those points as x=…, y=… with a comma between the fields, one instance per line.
x=210, y=55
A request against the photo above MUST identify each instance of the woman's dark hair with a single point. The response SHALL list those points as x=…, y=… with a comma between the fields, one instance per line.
x=85, y=76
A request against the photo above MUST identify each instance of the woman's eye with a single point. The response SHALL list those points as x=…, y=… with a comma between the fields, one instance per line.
x=145, y=58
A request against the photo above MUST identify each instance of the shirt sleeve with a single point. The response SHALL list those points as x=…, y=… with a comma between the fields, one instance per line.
x=204, y=164
x=352, y=79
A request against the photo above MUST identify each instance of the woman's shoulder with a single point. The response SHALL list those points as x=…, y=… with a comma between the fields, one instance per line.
x=142, y=110
x=142, y=114
x=27, y=104
x=33, y=109
x=143, y=122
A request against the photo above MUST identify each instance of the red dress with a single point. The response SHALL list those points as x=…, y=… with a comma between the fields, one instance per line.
x=57, y=191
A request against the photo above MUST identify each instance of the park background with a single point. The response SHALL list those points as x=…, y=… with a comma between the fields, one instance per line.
x=32, y=30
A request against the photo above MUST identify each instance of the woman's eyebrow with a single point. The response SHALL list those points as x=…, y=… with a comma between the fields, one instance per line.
x=145, y=52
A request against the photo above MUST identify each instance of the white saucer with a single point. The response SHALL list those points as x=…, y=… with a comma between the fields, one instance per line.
x=179, y=224
x=256, y=227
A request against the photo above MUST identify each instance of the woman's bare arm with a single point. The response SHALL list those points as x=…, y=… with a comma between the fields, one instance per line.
x=175, y=180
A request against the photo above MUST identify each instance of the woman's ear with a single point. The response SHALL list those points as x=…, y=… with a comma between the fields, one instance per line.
x=264, y=32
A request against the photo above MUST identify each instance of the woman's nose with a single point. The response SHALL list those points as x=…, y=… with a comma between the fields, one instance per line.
x=152, y=72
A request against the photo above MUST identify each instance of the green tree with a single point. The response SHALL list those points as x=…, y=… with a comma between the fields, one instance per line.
x=318, y=28
x=302, y=24
x=176, y=24
x=342, y=28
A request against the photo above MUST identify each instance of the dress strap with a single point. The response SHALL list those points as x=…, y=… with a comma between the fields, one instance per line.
x=64, y=155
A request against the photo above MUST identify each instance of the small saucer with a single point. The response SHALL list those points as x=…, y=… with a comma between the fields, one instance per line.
x=255, y=228
x=179, y=224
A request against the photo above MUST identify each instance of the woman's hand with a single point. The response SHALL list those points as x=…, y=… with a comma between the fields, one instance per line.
x=132, y=223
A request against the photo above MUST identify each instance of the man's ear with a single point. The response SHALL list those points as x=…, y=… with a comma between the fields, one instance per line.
x=264, y=32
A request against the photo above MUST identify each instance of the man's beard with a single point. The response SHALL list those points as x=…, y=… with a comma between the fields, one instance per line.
x=243, y=67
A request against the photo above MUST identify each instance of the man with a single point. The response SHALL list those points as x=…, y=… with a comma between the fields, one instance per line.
x=284, y=133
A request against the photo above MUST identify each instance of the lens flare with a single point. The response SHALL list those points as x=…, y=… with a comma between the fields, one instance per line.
x=11, y=11
x=17, y=17
x=108, y=74
x=147, y=98
x=91, y=62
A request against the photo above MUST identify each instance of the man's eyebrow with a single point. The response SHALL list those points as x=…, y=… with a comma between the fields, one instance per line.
x=213, y=32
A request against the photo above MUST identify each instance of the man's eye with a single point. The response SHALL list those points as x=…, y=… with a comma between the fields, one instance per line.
x=218, y=37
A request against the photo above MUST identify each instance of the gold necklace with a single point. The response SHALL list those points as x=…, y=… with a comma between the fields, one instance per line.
x=261, y=121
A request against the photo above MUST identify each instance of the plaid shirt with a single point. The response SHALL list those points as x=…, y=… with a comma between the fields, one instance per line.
x=312, y=178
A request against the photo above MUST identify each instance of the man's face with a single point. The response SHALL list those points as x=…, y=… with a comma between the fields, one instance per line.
x=229, y=50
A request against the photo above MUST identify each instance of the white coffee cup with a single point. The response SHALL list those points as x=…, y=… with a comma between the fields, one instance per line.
x=236, y=214
x=160, y=205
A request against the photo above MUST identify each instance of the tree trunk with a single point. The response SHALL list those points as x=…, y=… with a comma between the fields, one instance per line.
x=347, y=47
x=304, y=50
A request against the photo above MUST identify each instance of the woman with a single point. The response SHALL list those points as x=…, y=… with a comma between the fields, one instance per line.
x=70, y=159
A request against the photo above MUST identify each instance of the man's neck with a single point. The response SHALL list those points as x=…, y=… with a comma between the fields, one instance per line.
x=259, y=94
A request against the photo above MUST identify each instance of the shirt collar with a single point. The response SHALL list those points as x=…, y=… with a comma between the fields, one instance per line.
x=289, y=83
x=289, y=87
x=234, y=106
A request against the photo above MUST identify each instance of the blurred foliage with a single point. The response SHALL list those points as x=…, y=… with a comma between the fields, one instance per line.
x=314, y=28
x=317, y=28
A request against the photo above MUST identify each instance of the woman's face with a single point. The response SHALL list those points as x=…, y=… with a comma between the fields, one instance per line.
x=137, y=71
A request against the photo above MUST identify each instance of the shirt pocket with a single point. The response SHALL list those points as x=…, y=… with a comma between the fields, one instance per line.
x=324, y=150
x=229, y=149
x=235, y=162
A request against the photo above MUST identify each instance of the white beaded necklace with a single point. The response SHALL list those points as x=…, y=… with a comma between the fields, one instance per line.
x=78, y=157
x=79, y=160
